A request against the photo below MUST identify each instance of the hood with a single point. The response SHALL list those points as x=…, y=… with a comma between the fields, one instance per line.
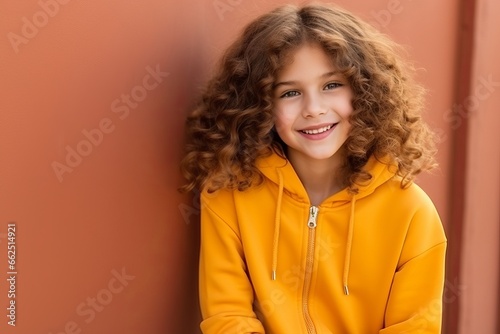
x=280, y=171
x=272, y=166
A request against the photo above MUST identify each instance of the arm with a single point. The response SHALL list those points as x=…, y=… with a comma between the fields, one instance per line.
x=226, y=294
x=415, y=301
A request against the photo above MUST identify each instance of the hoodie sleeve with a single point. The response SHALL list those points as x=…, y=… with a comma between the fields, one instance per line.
x=226, y=293
x=415, y=300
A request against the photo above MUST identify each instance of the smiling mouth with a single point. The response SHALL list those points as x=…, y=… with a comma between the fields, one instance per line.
x=317, y=131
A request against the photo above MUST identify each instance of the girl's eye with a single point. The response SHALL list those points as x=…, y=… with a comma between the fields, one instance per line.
x=290, y=93
x=333, y=85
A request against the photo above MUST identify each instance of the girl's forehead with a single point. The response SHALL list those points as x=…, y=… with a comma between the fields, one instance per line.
x=307, y=55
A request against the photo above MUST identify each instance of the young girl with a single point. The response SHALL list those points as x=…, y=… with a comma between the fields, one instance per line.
x=304, y=145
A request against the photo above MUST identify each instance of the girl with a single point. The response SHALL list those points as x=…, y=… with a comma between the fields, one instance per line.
x=304, y=145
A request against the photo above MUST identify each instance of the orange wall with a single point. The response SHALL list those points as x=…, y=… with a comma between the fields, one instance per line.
x=479, y=306
x=115, y=209
x=113, y=81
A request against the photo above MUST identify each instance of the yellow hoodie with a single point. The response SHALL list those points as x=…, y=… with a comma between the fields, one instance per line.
x=272, y=263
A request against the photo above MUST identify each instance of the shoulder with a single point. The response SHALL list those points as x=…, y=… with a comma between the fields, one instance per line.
x=425, y=214
x=412, y=206
x=412, y=197
x=225, y=202
x=425, y=228
x=219, y=201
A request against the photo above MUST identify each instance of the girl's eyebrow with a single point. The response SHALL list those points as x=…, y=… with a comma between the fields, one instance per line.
x=292, y=83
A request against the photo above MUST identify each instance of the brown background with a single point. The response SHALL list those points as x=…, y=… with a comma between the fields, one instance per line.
x=67, y=68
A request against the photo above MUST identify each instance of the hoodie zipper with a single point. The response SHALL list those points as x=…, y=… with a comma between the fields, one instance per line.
x=311, y=223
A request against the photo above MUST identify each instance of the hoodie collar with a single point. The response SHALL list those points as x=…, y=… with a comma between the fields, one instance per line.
x=380, y=169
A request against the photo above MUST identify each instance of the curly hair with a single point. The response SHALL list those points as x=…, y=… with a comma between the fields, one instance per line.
x=232, y=125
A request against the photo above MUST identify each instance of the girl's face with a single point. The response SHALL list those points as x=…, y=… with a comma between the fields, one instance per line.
x=312, y=105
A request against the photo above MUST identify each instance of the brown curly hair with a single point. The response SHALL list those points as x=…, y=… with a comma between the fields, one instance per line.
x=232, y=126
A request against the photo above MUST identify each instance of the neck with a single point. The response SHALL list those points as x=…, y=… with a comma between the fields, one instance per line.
x=321, y=178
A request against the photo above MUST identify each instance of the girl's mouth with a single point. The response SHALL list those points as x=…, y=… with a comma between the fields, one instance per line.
x=317, y=131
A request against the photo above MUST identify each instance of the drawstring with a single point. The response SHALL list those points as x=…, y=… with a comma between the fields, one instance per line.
x=348, y=248
x=277, y=221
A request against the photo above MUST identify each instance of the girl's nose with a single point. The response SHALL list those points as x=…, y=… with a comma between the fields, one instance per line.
x=313, y=106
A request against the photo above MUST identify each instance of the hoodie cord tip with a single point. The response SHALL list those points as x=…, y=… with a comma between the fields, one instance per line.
x=348, y=247
x=273, y=275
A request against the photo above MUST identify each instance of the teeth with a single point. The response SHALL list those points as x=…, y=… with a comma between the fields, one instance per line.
x=317, y=131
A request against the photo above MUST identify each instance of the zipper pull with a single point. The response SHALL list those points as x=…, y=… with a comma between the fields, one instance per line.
x=313, y=216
